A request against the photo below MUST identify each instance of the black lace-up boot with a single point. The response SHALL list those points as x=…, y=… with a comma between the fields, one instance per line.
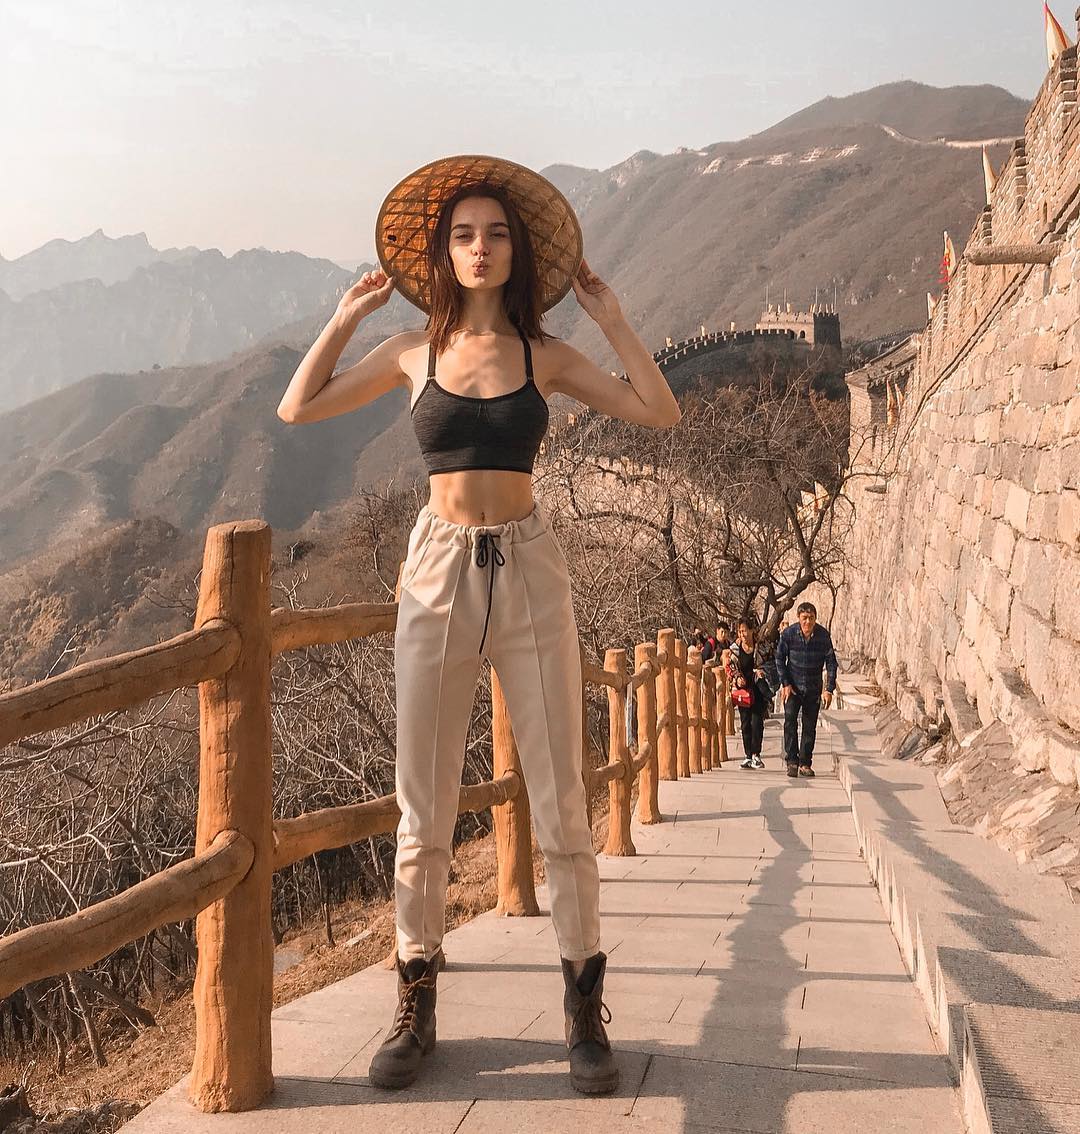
x=592, y=1066
x=397, y=1062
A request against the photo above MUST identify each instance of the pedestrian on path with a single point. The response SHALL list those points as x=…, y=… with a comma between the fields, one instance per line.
x=704, y=644
x=803, y=650
x=484, y=247
x=746, y=669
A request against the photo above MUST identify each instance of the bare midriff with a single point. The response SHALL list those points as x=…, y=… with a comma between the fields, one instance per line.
x=481, y=496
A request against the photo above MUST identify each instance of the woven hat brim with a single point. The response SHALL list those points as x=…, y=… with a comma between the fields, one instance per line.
x=407, y=218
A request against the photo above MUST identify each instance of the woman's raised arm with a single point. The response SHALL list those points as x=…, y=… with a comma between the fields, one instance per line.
x=315, y=392
x=647, y=398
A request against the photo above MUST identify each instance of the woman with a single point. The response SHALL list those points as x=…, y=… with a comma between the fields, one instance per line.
x=747, y=670
x=484, y=247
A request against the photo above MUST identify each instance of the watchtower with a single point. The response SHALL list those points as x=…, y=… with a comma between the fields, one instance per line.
x=820, y=326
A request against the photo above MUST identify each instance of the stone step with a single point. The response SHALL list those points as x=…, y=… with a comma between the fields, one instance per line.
x=1021, y=1071
x=990, y=944
x=989, y=934
x=1009, y=918
x=975, y=976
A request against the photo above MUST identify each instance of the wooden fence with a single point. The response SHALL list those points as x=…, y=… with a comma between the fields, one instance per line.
x=683, y=718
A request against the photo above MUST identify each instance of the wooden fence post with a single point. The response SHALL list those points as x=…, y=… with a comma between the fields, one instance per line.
x=648, y=804
x=666, y=704
x=619, y=841
x=723, y=694
x=234, y=976
x=511, y=820
x=709, y=758
x=693, y=708
x=680, y=699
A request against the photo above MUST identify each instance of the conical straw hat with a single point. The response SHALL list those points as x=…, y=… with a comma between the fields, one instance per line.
x=407, y=220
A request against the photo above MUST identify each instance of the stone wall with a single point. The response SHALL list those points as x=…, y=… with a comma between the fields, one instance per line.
x=964, y=586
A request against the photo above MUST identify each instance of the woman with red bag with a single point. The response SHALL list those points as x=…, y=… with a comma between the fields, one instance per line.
x=749, y=691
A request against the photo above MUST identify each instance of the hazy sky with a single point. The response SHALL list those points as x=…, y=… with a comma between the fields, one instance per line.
x=232, y=124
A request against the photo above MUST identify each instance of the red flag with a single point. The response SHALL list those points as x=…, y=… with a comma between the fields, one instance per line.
x=948, y=261
x=1056, y=39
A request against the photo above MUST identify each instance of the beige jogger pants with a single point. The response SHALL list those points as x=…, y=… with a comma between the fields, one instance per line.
x=500, y=592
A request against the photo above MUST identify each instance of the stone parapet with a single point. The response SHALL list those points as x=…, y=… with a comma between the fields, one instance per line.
x=964, y=578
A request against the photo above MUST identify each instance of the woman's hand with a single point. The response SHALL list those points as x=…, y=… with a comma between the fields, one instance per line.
x=369, y=293
x=596, y=298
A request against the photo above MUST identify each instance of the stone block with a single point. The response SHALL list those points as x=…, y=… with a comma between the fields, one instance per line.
x=1069, y=457
x=1037, y=470
x=1029, y=640
x=1033, y=574
x=1002, y=547
x=1070, y=421
x=1012, y=457
x=947, y=587
x=1061, y=387
x=1019, y=424
x=999, y=593
x=965, y=459
x=999, y=497
x=1042, y=352
x=948, y=511
x=1068, y=520
x=1063, y=681
x=963, y=718
x=958, y=483
x=1067, y=596
x=1050, y=430
x=965, y=661
x=1045, y=470
x=970, y=520
x=1042, y=517
x=973, y=614
x=1017, y=503
x=986, y=424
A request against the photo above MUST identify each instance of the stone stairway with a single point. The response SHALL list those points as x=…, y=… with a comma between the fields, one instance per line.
x=753, y=979
x=991, y=945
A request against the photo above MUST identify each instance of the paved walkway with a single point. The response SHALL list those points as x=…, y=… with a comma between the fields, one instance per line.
x=753, y=978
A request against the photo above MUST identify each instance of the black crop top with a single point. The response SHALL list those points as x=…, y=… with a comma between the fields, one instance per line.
x=457, y=432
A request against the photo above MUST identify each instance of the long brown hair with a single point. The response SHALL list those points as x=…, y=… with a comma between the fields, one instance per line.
x=521, y=292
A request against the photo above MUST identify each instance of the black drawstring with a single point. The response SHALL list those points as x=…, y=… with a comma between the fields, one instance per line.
x=486, y=545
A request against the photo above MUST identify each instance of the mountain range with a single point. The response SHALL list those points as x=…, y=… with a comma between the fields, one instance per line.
x=72, y=309
x=849, y=194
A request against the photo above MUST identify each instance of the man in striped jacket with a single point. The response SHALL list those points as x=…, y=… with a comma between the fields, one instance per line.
x=802, y=652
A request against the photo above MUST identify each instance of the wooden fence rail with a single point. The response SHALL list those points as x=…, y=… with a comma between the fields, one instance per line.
x=681, y=717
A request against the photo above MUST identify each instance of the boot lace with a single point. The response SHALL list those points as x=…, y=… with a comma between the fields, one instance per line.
x=589, y=1020
x=405, y=1019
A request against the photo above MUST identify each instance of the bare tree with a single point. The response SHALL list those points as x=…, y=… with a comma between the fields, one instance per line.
x=732, y=512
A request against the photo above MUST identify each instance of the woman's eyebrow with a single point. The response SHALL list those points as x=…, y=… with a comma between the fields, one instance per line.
x=491, y=224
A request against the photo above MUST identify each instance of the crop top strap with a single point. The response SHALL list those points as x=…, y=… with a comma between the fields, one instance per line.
x=431, y=360
x=528, y=357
